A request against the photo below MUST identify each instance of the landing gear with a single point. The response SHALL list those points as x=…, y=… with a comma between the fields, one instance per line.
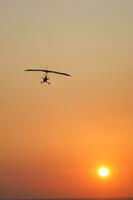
x=45, y=79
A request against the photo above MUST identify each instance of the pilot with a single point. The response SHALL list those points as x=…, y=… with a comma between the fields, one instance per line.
x=45, y=80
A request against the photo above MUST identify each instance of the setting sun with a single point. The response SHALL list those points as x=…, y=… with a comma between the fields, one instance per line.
x=103, y=171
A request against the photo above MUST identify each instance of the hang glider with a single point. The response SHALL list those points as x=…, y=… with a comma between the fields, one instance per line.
x=45, y=78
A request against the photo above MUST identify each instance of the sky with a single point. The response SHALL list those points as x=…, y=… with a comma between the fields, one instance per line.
x=54, y=138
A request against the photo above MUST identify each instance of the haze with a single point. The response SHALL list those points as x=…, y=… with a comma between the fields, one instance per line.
x=54, y=138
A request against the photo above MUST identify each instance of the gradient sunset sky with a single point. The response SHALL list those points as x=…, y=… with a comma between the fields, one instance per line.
x=53, y=139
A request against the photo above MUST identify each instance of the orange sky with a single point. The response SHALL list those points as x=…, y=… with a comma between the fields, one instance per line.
x=54, y=138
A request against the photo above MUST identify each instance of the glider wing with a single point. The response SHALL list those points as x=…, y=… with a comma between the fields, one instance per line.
x=48, y=71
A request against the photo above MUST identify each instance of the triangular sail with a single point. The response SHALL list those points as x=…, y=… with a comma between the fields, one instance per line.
x=47, y=71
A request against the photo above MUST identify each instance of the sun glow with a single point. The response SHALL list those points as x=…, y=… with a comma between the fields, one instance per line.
x=103, y=171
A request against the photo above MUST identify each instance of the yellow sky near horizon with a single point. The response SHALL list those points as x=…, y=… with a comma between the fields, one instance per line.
x=54, y=138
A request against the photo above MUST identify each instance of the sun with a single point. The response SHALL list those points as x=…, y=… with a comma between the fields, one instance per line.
x=103, y=171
